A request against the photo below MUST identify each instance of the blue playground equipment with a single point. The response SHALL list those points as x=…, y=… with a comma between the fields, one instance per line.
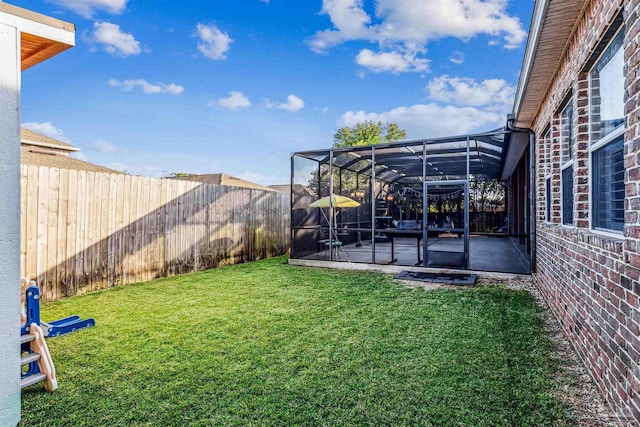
x=30, y=357
x=65, y=326
x=55, y=327
x=32, y=375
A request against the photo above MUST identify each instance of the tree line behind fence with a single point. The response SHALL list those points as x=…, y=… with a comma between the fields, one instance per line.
x=86, y=231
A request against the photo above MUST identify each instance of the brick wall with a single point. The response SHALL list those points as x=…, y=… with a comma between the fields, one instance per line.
x=591, y=280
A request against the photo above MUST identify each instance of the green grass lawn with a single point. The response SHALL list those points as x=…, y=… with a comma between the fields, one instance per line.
x=268, y=344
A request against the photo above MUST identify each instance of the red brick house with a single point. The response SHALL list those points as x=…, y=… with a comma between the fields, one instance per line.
x=579, y=94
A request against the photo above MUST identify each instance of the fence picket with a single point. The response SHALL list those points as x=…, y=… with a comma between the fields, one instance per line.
x=84, y=231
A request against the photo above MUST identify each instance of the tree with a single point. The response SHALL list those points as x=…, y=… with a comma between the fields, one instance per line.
x=486, y=195
x=367, y=133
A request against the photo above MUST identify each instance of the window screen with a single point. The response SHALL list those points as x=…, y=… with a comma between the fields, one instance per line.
x=566, y=132
x=546, y=141
x=607, y=90
x=608, y=186
x=548, y=198
x=567, y=195
x=607, y=138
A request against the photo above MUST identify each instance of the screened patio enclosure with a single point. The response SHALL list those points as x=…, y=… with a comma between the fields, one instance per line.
x=433, y=203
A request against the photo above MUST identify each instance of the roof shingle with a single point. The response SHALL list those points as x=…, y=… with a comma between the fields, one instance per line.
x=224, y=179
x=35, y=157
x=30, y=137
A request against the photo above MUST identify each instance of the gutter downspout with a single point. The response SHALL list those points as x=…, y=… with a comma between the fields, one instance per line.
x=532, y=182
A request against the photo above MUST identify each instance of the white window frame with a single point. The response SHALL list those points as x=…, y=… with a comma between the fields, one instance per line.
x=567, y=163
x=595, y=146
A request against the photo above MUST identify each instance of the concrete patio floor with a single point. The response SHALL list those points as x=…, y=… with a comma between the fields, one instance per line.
x=491, y=254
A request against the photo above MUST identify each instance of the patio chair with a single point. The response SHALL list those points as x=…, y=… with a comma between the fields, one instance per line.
x=334, y=244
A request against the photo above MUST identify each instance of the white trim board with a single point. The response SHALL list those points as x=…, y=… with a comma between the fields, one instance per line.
x=25, y=21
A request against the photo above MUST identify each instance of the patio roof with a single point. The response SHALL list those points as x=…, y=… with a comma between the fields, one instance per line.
x=402, y=162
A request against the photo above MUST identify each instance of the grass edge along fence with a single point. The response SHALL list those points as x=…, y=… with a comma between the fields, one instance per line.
x=85, y=231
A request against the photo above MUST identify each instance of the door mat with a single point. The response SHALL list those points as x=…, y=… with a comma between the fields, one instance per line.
x=445, y=278
x=443, y=259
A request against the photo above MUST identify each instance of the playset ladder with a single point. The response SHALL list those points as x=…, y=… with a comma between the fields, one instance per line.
x=33, y=347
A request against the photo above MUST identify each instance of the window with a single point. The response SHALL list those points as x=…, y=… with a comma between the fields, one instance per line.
x=567, y=195
x=548, y=192
x=566, y=147
x=608, y=186
x=607, y=138
x=546, y=141
x=607, y=90
x=566, y=132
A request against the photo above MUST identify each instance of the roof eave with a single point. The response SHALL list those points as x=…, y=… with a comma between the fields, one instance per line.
x=42, y=36
x=539, y=12
x=44, y=144
x=553, y=26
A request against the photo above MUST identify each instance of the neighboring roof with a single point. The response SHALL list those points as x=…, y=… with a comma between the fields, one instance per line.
x=41, y=36
x=552, y=26
x=31, y=156
x=223, y=179
x=283, y=188
x=286, y=188
x=30, y=137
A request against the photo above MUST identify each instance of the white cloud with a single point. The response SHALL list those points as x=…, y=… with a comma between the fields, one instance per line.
x=141, y=170
x=457, y=57
x=113, y=40
x=87, y=8
x=118, y=166
x=349, y=20
x=460, y=105
x=48, y=129
x=417, y=21
x=148, y=170
x=268, y=104
x=104, y=146
x=147, y=88
x=394, y=62
x=430, y=120
x=403, y=28
x=469, y=92
x=213, y=44
x=234, y=100
x=262, y=179
x=78, y=155
x=265, y=1
x=293, y=104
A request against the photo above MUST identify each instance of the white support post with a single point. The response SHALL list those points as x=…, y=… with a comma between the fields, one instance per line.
x=10, y=69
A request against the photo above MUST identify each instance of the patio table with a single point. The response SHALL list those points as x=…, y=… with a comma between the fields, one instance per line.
x=393, y=233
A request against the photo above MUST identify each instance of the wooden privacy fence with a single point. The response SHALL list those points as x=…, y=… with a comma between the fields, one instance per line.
x=85, y=231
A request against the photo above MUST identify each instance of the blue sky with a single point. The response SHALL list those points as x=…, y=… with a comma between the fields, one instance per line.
x=237, y=86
